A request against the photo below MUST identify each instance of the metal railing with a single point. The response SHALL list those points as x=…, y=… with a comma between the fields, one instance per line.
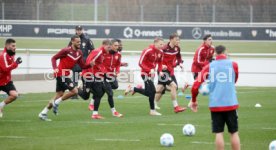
x=110, y=10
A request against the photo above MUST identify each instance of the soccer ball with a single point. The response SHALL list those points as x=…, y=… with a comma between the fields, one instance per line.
x=204, y=89
x=188, y=130
x=166, y=139
x=272, y=145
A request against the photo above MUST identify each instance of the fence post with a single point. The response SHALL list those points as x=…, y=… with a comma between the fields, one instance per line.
x=37, y=9
x=3, y=11
x=251, y=13
x=107, y=10
x=96, y=10
x=214, y=14
x=141, y=13
x=72, y=11
x=177, y=14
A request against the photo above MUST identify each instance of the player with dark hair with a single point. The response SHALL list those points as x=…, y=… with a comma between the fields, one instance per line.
x=223, y=103
x=86, y=47
x=149, y=59
x=112, y=62
x=7, y=64
x=98, y=74
x=68, y=57
x=203, y=55
x=171, y=58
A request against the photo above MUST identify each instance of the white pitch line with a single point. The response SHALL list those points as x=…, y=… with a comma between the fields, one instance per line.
x=165, y=124
x=119, y=140
x=13, y=137
x=15, y=121
x=96, y=122
x=269, y=128
x=209, y=143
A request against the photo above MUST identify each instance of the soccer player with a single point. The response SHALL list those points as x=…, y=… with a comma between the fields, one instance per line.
x=111, y=62
x=203, y=55
x=112, y=65
x=100, y=85
x=86, y=47
x=171, y=58
x=7, y=64
x=149, y=59
x=223, y=104
x=68, y=57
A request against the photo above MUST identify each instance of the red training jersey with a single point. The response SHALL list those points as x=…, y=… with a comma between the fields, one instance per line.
x=112, y=62
x=7, y=64
x=202, y=56
x=98, y=68
x=171, y=57
x=68, y=58
x=149, y=58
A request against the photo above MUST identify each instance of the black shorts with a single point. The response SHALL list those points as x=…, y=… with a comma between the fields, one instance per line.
x=7, y=88
x=64, y=84
x=167, y=79
x=113, y=82
x=219, y=119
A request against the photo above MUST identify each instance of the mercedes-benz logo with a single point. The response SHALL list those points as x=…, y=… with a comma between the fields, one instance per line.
x=196, y=33
x=128, y=32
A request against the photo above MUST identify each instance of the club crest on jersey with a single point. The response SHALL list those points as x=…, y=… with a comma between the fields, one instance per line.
x=116, y=57
x=77, y=53
x=159, y=55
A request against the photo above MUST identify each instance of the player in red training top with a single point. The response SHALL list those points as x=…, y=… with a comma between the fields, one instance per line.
x=149, y=59
x=171, y=58
x=111, y=63
x=68, y=57
x=203, y=55
x=7, y=64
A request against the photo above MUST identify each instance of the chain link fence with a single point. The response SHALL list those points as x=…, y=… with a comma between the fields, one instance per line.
x=137, y=11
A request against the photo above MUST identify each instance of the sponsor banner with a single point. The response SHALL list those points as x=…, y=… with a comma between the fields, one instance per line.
x=139, y=32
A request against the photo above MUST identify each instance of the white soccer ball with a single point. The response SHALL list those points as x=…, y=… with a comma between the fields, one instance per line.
x=188, y=130
x=272, y=145
x=166, y=139
x=204, y=89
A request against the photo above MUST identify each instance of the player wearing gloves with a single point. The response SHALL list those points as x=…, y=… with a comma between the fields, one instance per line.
x=7, y=64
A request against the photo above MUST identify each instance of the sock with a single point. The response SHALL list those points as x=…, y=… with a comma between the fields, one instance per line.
x=92, y=101
x=45, y=110
x=113, y=110
x=2, y=104
x=152, y=110
x=175, y=103
x=57, y=101
x=155, y=103
x=95, y=113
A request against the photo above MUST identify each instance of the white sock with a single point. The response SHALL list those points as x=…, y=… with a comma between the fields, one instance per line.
x=45, y=110
x=152, y=110
x=175, y=103
x=2, y=104
x=156, y=103
x=57, y=101
x=113, y=110
x=92, y=101
x=95, y=113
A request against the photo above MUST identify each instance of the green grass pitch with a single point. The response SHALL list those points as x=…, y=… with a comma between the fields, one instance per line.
x=73, y=128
